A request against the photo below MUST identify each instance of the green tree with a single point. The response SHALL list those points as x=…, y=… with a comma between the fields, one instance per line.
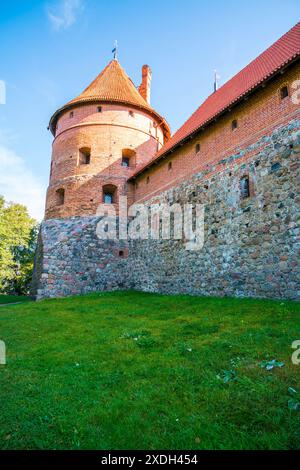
x=18, y=233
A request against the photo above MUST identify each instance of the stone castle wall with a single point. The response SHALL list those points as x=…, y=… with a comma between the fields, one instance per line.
x=251, y=246
x=75, y=261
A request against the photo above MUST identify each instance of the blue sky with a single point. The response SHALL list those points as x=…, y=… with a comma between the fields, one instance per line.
x=51, y=50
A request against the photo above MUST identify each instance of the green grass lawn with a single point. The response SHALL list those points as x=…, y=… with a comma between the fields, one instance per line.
x=128, y=370
x=9, y=299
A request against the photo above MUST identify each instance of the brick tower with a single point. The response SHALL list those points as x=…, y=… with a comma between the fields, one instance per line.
x=100, y=138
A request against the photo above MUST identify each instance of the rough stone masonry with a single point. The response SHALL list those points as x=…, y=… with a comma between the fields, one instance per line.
x=251, y=248
x=237, y=155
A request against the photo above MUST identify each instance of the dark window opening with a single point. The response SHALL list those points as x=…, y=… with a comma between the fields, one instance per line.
x=128, y=157
x=197, y=148
x=131, y=113
x=284, y=92
x=84, y=156
x=108, y=198
x=60, y=197
x=71, y=114
x=125, y=161
x=234, y=124
x=121, y=253
x=99, y=109
x=148, y=179
x=170, y=166
x=245, y=187
x=109, y=194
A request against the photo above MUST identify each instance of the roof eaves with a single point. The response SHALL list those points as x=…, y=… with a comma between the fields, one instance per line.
x=73, y=104
x=215, y=116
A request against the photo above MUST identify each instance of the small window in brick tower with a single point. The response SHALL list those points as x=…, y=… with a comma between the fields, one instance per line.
x=245, y=187
x=125, y=161
x=284, y=92
x=128, y=157
x=234, y=125
x=84, y=156
x=108, y=198
x=109, y=194
x=197, y=148
x=60, y=196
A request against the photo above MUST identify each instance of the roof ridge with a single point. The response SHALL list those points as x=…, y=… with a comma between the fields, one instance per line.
x=238, y=73
x=262, y=67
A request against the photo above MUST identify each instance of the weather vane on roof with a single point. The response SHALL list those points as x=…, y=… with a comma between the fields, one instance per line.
x=115, y=50
x=216, y=81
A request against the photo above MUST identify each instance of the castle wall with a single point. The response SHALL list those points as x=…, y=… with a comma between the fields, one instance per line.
x=256, y=117
x=251, y=246
x=106, y=134
x=76, y=261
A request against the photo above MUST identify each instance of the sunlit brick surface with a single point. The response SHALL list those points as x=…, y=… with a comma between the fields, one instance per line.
x=106, y=134
x=257, y=116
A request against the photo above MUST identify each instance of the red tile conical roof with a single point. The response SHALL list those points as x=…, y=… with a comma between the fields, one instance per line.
x=114, y=86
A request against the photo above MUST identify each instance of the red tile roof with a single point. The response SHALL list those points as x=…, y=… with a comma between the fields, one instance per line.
x=264, y=66
x=112, y=85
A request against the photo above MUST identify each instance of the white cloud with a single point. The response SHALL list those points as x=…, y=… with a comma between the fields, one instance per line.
x=6, y=135
x=64, y=14
x=19, y=184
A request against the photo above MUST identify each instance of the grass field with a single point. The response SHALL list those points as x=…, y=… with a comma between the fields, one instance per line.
x=9, y=299
x=128, y=370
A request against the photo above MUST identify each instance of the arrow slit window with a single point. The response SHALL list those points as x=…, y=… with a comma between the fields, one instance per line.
x=245, y=187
